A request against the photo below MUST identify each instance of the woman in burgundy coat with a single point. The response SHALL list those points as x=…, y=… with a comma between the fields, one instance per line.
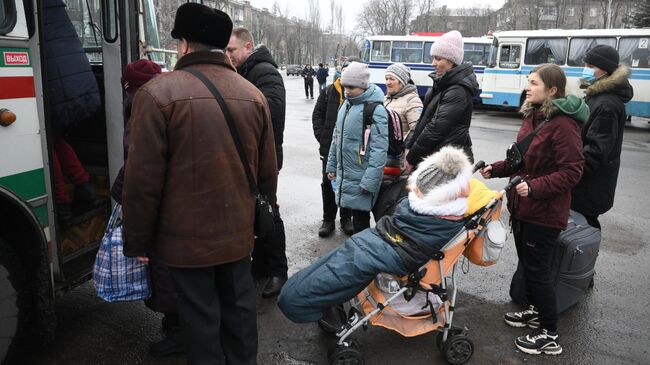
x=539, y=206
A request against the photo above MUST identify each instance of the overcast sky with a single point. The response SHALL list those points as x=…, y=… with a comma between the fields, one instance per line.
x=352, y=8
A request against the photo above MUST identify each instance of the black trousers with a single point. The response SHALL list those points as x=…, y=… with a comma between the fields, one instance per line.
x=536, y=248
x=269, y=253
x=218, y=315
x=593, y=220
x=309, y=85
x=360, y=220
x=329, y=200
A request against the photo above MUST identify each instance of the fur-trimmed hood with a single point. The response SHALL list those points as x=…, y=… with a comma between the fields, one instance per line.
x=616, y=83
x=571, y=106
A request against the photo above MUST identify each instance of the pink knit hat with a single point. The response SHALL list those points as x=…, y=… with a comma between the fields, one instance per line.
x=449, y=46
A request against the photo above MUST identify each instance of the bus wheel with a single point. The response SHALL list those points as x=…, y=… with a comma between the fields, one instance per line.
x=13, y=302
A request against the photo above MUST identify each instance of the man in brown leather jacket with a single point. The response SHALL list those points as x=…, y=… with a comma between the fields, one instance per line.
x=186, y=196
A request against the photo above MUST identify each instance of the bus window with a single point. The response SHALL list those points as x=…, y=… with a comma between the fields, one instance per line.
x=426, y=57
x=381, y=51
x=474, y=54
x=110, y=21
x=407, y=52
x=510, y=56
x=86, y=19
x=634, y=52
x=546, y=50
x=7, y=16
x=578, y=47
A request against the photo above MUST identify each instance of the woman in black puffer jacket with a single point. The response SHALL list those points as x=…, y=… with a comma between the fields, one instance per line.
x=447, y=106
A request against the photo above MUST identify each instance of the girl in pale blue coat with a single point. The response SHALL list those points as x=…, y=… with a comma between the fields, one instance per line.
x=357, y=157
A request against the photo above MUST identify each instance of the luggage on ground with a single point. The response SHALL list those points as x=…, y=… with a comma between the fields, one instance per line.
x=573, y=264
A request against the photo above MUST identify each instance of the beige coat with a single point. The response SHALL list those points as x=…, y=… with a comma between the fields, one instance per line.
x=408, y=105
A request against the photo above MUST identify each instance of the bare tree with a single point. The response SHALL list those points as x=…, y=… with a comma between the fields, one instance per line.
x=423, y=22
x=532, y=10
x=386, y=16
x=583, y=14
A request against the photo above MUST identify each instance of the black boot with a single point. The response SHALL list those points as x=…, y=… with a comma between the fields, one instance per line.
x=346, y=226
x=273, y=286
x=326, y=229
x=172, y=344
x=85, y=198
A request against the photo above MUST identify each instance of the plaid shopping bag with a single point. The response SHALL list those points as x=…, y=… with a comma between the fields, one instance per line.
x=118, y=278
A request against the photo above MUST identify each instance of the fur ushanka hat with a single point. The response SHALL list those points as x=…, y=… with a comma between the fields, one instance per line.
x=199, y=23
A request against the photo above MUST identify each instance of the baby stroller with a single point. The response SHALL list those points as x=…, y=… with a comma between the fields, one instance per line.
x=375, y=305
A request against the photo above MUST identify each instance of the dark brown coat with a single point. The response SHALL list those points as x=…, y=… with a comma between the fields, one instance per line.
x=186, y=197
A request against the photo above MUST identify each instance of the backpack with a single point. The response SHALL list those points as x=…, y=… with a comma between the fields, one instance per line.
x=395, y=142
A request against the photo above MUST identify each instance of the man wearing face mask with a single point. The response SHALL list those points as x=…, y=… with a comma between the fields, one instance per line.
x=186, y=197
x=608, y=89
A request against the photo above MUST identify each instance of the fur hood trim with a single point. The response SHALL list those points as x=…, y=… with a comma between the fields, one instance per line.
x=614, y=81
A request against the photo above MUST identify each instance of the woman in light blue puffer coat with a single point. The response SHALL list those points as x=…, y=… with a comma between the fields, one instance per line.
x=357, y=157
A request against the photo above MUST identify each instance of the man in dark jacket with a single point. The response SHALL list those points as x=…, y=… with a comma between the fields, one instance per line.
x=602, y=136
x=448, y=104
x=323, y=120
x=321, y=76
x=258, y=67
x=186, y=197
x=308, y=75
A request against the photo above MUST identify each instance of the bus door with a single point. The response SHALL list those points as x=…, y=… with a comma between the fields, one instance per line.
x=509, y=77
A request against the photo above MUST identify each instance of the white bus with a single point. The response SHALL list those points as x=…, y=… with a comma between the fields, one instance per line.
x=515, y=53
x=40, y=259
x=379, y=52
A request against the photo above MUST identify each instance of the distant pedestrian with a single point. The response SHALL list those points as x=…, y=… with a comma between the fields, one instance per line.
x=258, y=67
x=539, y=206
x=447, y=112
x=323, y=121
x=186, y=198
x=357, y=156
x=308, y=75
x=321, y=75
x=602, y=136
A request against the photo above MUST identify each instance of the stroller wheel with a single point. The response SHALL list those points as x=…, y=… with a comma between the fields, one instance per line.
x=346, y=355
x=458, y=349
x=453, y=332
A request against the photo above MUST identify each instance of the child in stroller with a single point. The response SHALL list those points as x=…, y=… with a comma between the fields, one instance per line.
x=442, y=195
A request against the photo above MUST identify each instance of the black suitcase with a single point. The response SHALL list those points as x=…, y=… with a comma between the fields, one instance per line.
x=573, y=264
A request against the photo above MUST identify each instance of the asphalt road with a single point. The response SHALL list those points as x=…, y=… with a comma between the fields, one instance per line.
x=608, y=327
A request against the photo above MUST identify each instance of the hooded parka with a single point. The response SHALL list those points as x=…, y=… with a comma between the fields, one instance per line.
x=552, y=165
x=356, y=171
x=262, y=71
x=602, y=138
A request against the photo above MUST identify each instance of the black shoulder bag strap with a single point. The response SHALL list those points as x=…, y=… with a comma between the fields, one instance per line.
x=525, y=143
x=231, y=126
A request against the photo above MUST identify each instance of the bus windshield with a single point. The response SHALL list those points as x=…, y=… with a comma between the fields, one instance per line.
x=492, y=58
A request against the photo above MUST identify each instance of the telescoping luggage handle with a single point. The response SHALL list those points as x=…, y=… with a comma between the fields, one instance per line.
x=231, y=125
